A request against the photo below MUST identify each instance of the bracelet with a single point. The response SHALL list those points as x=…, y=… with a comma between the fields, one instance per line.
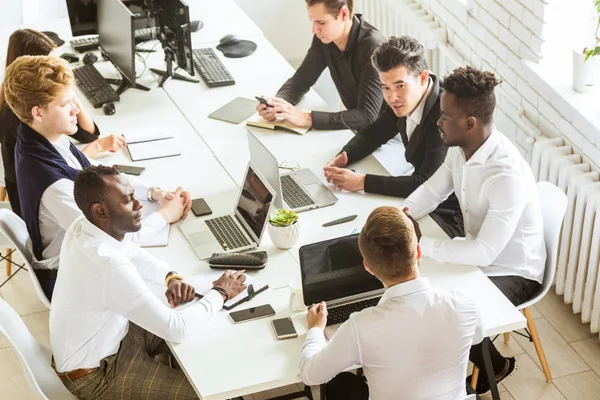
x=149, y=193
x=171, y=277
x=222, y=291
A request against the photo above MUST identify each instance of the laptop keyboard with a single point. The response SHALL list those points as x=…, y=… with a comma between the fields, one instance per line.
x=340, y=314
x=228, y=234
x=293, y=194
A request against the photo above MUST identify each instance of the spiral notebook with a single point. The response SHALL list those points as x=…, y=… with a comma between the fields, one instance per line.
x=203, y=283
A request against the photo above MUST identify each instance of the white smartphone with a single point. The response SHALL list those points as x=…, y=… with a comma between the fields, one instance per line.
x=284, y=328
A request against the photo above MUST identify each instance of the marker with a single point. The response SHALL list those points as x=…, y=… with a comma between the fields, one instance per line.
x=340, y=220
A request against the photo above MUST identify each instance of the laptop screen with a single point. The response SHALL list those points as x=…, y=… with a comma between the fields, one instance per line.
x=334, y=269
x=254, y=202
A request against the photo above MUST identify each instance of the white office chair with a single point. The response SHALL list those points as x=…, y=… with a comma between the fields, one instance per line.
x=34, y=357
x=15, y=231
x=553, y=203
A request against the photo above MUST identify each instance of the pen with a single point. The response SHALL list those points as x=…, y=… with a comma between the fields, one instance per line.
x=340, y=220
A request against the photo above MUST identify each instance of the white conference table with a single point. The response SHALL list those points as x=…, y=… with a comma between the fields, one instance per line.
x=227, y=360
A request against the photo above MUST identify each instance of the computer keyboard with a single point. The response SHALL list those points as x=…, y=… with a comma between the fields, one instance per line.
x=293, y=194
x=93, y=85
x=211, y=69
x=92, y=42
x=227, y=233
x=337, y=315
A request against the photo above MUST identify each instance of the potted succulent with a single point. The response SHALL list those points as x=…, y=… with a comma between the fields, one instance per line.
x=283, y=228
x=586, y=63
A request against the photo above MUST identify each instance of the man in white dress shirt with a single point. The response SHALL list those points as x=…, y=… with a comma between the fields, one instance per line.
x=413, y=345
x=106, y=326
x=498, y=198
x=40, y=91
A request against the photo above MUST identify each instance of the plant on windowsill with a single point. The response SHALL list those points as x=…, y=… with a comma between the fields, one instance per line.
x=586, y=63
x=283, y=228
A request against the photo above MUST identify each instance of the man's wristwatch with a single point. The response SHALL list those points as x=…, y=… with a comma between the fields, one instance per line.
x=149, y=193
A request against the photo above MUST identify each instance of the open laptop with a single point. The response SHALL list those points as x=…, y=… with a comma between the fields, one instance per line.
x=239, y=231
x=301, y=190
x=333, y=271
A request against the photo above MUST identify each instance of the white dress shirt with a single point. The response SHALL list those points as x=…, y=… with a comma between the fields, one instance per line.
x=100, y=289
x=416, y=116
x=413, y=345
x=499, y=202
x=58, y=210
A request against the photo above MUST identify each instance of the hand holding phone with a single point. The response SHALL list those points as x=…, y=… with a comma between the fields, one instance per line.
x=284, y=328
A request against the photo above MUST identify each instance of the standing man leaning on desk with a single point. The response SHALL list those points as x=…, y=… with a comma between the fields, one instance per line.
x=40, y=91
x=498, y=198
x=413, y=345
x=106, y=327
x=343, y=42
x=27, y=42
x=412, y=94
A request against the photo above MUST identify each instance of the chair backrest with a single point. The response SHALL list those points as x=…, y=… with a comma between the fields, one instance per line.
x=553, y=203
x=4, y=242
x=34, y=357
x=15, y=230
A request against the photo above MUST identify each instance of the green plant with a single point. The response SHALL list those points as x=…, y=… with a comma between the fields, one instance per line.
x=284, y=217
x=595, y=50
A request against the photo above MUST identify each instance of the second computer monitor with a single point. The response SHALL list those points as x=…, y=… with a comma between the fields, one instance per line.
x=116, y=36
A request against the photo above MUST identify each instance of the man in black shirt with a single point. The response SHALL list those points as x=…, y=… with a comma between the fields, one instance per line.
x=412, y=95
x=342, y=42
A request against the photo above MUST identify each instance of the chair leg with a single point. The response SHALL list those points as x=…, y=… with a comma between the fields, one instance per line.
x=8, y=262
x=506, y=337
x=537, y=344
x=475, y=376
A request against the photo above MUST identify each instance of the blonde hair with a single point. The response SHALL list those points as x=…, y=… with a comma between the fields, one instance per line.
x=388, y=244
x=34, y=81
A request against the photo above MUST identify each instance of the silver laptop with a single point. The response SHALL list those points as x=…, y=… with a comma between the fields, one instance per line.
x=239, y=231
x=301, y=190
x=333, y=271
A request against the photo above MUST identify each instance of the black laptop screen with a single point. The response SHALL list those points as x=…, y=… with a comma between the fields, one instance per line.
x=254, y=202
x=334, y=269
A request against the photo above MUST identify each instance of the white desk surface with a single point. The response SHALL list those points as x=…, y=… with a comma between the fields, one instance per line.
x=228, y=360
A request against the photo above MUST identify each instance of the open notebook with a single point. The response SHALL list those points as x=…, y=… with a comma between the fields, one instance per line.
x=203, y=283
x=257, y=120
x=150, y=143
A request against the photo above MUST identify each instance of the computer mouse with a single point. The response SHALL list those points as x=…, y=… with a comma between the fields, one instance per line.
x=196, y=25
x=90, y=58
x=70, y=57
x=229, y=40
x=109, y=108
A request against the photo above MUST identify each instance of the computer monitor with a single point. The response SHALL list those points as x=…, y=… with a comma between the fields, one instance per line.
x=82, y=16
x=117, y=40
x=172, y=18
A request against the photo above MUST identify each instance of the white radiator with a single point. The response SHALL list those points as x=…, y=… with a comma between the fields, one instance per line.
x=406, y=17
x=578, y=259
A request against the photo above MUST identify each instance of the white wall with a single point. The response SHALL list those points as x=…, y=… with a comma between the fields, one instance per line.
x=496, y=35
x=17, y=12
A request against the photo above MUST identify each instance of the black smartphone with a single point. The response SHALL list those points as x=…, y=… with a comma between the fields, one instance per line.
x=129, y=169
x=255, y=260
x=200, y=208
x=262, y=100
x=284, y=328
x=253, y=313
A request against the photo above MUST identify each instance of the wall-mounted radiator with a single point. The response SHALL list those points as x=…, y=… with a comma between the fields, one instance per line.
x=578, y=263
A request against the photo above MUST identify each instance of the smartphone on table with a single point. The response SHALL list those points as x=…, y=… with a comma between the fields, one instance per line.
x=251, y=314
x=129, y=169
x=284, y=328
x=200, y=207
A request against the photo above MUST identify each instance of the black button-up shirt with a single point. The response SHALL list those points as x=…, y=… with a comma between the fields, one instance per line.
x=354, y=76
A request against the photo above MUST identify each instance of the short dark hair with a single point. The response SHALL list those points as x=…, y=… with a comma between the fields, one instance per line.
x=91, y=188
x=334, y=6
x=474, y=92
x=388, y=244
x=403, y=51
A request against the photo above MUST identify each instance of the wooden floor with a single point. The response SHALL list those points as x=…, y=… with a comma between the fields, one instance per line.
x=573, y=352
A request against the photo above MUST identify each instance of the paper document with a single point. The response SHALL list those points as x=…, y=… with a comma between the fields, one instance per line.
x=147, y=134
x=154, y=149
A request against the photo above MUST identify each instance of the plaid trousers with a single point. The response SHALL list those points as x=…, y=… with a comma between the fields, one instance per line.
x=139, y=370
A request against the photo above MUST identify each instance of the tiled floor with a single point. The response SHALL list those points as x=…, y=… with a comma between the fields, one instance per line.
x=573, y=352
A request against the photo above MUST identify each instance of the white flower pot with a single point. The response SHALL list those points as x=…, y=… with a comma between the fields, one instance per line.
x=284, y=237
x=586, y=74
